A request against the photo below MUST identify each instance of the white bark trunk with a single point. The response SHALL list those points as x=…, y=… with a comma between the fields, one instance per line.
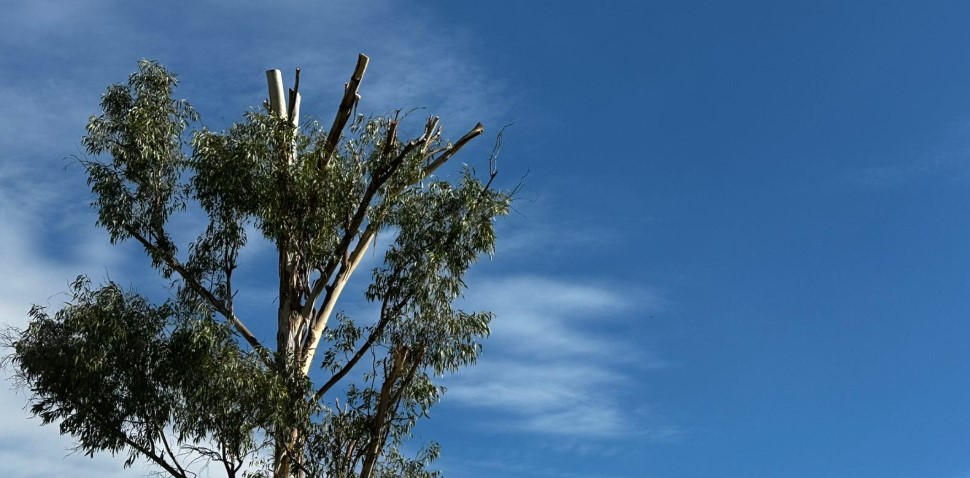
x=277, y=99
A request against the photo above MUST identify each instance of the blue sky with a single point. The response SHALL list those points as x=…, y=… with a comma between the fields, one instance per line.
x=742, y=249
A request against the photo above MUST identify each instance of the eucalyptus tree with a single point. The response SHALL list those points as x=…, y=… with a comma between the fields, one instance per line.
x=186, y=380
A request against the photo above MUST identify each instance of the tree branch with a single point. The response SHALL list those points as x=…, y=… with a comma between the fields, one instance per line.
x=408, y=378
x=148, y=453
x=378, y=179
x=432, y=131
x=347, y=105
x=199, y=289
x=171, y=454
x=155, y=458
x=449, y=152
x=330, y=301
x=379, y=420
x=386, y=316
x=348, y=262
x=327, y=271
x=294, y=104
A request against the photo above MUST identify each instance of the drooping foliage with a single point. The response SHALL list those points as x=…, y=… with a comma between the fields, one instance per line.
x=187, y=378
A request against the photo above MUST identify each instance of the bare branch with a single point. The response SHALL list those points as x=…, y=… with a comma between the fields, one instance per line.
x=493, y=163
x=171, y=454
x=160, y=461
x=449, y=152
x=277, y=103
x=294, y=111
x=347, y=105
x=389, y=139
x=330, y=300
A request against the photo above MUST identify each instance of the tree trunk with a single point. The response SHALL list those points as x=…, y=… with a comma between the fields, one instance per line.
x=287, y=451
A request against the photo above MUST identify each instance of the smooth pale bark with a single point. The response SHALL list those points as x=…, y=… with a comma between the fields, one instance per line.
x=313, y=340
x=277, y=102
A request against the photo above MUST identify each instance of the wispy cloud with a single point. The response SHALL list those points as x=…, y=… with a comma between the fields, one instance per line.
x=29, y=275
x=946, y=160
x=562, y=365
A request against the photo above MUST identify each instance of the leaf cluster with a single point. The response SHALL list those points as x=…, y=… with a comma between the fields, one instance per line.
x=119, y=373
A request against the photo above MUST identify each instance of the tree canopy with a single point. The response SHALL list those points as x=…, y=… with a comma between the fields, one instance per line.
x=185, y=379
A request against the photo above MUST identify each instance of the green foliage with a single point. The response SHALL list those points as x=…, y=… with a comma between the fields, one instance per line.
x=119, y=373
x=185, y=379
x=141, y=130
